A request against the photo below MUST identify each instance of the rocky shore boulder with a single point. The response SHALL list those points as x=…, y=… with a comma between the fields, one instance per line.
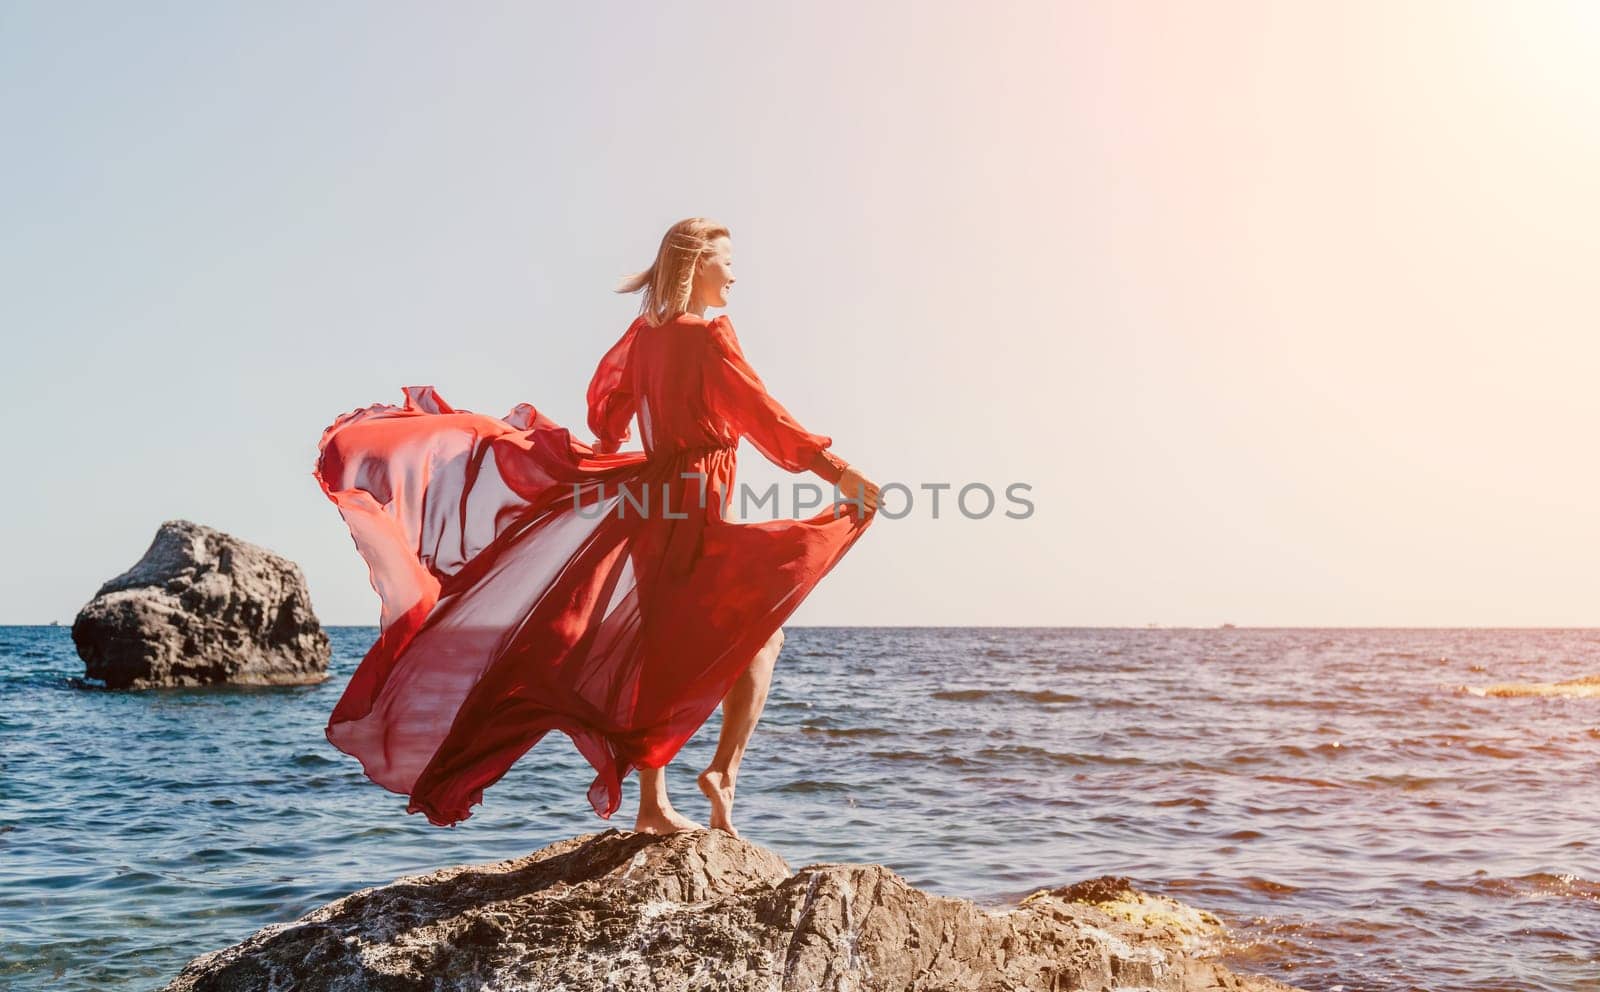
x=702, y=910
x=202, y=607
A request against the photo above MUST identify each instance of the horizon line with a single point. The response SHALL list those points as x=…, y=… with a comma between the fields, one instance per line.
x=1012, y=626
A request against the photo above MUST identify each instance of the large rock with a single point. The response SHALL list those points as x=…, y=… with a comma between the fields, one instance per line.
x=202, y=607
x=703, y=910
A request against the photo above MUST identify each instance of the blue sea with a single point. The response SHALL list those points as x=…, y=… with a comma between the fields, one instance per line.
x=1356, y=817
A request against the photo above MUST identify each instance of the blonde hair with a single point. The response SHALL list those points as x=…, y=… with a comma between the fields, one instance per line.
x=669, y=281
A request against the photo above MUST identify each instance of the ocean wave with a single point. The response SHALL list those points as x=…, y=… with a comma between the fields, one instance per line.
x=846, y=732
x=1535, y=885
x=1255, y=754
x=1032, y=696
x=1048, y=756
x=807, y=786
x=921, y=757
x=1319, y=783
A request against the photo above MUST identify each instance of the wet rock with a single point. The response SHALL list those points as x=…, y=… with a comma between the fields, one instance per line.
x=702, y=910
x=1587, y=687
x=202, y=607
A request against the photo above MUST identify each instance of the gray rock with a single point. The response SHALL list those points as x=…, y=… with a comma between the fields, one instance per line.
x=202, y=607
x=703, y=910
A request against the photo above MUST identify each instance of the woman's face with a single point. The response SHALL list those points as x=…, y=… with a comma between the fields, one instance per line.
x=714, y=273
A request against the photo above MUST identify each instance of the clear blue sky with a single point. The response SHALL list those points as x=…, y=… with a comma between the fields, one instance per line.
x=1286, y=313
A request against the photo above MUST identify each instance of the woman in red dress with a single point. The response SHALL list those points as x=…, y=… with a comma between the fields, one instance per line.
x=532, y=582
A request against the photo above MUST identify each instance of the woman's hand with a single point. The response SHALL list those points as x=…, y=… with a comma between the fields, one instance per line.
x=855, y=486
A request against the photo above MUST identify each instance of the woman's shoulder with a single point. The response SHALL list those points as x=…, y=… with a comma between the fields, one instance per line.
x=683, y=320
x=719, y=330
x=716, y=333
x=700, y=320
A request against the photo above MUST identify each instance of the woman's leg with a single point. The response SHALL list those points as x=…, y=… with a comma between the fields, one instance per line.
x=656, y=815
x=741, y=708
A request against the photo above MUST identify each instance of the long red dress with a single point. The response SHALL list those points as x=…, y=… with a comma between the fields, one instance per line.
x=531, y=582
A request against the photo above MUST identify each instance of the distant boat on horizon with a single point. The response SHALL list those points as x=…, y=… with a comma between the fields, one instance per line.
x=1228, y=626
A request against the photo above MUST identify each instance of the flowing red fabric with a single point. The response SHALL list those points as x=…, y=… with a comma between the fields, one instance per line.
x=531, y=582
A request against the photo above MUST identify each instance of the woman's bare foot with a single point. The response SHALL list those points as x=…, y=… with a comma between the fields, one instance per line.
x=658, y=821
x=719, y=789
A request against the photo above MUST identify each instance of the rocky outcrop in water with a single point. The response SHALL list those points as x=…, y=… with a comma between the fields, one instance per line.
x=1587, y=687
x=702, y=910
x=202, y=607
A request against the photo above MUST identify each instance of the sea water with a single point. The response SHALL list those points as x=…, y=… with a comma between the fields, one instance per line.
x=1356, y=817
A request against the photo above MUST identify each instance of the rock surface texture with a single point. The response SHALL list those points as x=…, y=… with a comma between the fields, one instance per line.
x=1587, y=687
x=703, y=910
x=202, y=607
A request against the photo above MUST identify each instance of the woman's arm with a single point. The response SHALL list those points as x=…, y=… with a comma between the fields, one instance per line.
x=852, y=485
x=610, y=396
x=829, y=465
x=736, y=395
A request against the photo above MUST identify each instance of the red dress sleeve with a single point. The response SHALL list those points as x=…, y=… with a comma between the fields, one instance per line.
x=611, y=400
x=736, y=395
